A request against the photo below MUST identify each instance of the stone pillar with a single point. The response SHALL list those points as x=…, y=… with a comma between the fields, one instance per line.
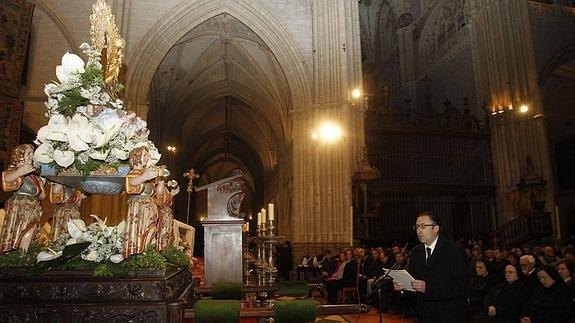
x=506, y=78
x=323, y=171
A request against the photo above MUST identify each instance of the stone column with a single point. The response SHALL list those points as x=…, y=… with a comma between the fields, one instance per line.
x=506, y=78
x=323, y=171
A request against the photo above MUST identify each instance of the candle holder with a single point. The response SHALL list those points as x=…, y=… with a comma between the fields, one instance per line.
x=271, y=240
x=261, y=263
x=247, y=259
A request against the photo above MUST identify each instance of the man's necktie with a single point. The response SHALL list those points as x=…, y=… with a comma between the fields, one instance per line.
x=428, y=259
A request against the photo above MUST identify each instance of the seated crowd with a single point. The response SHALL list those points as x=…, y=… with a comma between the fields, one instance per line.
x=518, y=284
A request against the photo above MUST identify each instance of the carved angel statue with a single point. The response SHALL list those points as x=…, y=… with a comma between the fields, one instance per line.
x=23, y=209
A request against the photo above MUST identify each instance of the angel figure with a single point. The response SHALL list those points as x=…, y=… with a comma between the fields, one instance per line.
x=23, y=209
x=166, y=216
x=141, y=222
x=67, y=207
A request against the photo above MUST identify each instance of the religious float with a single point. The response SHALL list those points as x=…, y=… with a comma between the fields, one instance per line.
x=91, y=272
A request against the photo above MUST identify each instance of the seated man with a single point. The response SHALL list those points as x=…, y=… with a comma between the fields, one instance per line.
x=345, y=276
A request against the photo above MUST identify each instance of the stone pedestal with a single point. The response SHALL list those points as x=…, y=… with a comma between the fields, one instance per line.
x=223, y=251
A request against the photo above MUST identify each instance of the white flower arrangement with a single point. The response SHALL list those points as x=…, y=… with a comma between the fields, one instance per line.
x=105, y=242
x=88, y=126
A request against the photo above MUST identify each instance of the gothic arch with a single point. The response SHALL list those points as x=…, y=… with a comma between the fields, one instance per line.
x=563, y=56
x=188, y=15
x=60, y=25
x=439, y=36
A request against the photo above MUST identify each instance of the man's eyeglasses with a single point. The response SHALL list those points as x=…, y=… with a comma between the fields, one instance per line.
x=422, y=226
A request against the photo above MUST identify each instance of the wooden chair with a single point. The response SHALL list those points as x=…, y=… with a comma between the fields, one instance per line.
x=349, y=292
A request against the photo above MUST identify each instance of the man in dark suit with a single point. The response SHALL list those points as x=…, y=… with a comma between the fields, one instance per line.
x=441, y=272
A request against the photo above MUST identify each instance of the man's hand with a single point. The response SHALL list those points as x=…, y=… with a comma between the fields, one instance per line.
x=418, y=285
x=398, y=286
x=491, y=311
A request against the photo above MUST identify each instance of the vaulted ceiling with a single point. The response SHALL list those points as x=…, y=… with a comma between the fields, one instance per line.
x=221, y=97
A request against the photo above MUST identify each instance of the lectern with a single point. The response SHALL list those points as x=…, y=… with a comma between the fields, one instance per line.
x=223, y=230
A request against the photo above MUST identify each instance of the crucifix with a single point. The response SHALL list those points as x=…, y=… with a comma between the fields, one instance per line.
x=191, y=175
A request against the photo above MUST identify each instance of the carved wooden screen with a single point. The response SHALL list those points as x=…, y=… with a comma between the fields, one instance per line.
x=438, y=162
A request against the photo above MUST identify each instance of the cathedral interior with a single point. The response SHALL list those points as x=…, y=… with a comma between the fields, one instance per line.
x=458, y=107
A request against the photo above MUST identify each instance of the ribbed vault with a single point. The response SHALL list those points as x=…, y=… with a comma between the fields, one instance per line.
x=221, y=97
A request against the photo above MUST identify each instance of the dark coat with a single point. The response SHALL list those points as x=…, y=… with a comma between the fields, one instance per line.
x=480, y=288
x=349, y=274
x=508, y=300
x=551, y=304
x=447, y=279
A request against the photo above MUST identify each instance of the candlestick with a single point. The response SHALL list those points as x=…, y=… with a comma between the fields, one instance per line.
x=259, y=218
x=264, y=216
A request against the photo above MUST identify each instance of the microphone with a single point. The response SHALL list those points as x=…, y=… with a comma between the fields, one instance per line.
x=404, y=248
x=395, y=266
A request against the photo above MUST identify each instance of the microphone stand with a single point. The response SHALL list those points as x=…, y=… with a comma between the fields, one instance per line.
x=380, y=287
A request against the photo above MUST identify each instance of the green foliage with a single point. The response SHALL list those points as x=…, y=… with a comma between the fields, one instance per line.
x=102, y=270
x=92, y=76
x=109, y=268
x=76, y=263
x=70, y=260
x=18, y=258
x=175, y=256
x=87, y=167
x=150, y=258
x=71, y=100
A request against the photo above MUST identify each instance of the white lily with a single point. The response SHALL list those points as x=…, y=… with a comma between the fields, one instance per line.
x=76, y=228
x=154, y=153
x=44, y=153
x=64, y=158
x=99, y=155
x=109, y=128
x=92, y=255
x=121, y=227
x=72, y=241
x=119, y=154
x=101, y=223
x=79, y=133
x=116, y=258
x=54, y=130
x=72, y=65
x=50, y=89
x=48, y=255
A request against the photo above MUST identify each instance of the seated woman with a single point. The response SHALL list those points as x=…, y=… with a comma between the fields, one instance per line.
x=550, y=302
x=505, y=302
x=481, y=285
x=345, y=276
x=566, y=270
